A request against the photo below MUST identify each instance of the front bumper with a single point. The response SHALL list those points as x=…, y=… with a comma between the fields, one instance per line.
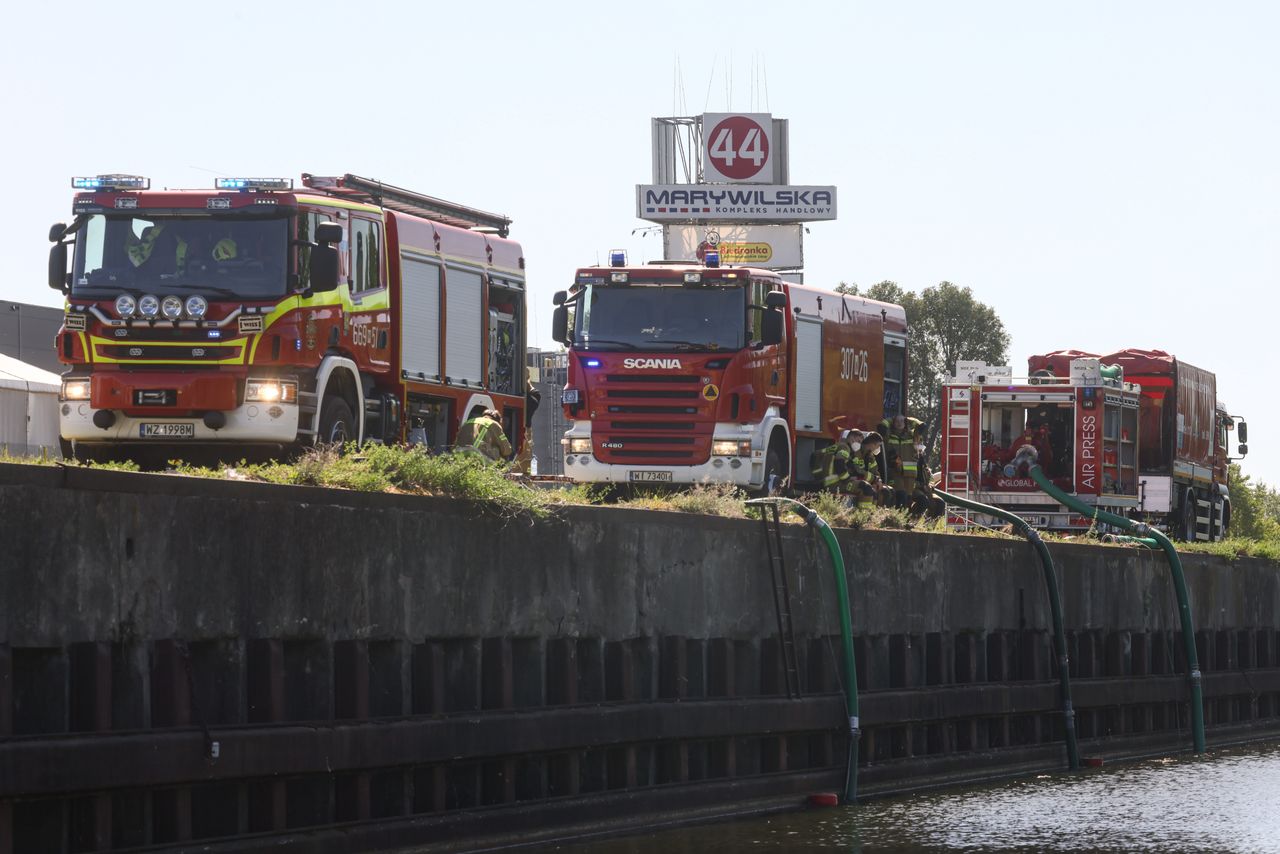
x=746, y=472
x=273, y=423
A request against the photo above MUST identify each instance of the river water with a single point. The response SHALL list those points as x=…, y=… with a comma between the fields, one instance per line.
x=1226, y=801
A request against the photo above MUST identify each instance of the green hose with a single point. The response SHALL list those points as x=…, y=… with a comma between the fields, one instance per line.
x=1163, y=543
x=846, y=637
x=1055, y=607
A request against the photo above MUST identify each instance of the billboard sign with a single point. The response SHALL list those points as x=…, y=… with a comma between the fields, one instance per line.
x=737, y=148
x=773, y=247
x=720, y=203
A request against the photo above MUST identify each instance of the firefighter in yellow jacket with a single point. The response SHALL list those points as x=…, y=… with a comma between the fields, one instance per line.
x=483, y=433
x=830, y=466
x=900, y=456
x=864, y=483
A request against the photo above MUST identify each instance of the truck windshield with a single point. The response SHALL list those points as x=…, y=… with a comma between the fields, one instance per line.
x=661, y=318
x=228, y=257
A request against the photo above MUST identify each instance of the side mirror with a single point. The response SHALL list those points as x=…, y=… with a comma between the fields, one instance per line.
x=328, y=232
x=1242, y=431
x=560, y=324
x=58, y=266
x=559, y=297
x=57, y=231
x=775, y=299
x=1242, y=450
x=324, y=268
x=771, y=328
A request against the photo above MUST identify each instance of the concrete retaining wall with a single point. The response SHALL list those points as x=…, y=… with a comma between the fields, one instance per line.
x=155, y=616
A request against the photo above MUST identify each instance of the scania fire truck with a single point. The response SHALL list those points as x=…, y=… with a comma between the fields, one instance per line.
x=253, y=316
x=1128, y=433
x=683, y=373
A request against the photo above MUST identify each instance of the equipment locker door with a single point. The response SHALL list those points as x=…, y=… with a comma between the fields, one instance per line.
x=464, y=337
x=808, y=373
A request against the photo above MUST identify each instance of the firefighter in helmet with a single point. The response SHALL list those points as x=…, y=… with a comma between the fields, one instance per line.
x=830, y=465
x=864, y=483
x=482, y=432
x=899, y=457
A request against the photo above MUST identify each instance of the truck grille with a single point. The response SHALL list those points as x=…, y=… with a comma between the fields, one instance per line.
x=654, y=418
x=203, y=352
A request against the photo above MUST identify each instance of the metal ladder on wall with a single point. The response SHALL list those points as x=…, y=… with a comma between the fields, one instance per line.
x=771, y=523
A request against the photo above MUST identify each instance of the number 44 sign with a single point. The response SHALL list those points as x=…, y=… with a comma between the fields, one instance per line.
x=737, y=147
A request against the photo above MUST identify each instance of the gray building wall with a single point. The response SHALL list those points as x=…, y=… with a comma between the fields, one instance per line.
x=549, y=370
x=27, y=334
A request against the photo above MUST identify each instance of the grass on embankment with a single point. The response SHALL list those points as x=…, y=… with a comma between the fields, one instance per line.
x=380, y=468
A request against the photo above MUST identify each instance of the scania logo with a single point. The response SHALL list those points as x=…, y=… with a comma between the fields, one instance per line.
x=651, y=363
x=135, y=351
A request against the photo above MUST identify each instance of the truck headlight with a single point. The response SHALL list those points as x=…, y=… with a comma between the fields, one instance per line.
x=126, y=305
x=731, y=448
x=149, y=305
x=74, y=390
x=196, y=307
x=580, y=446
x=271, y=391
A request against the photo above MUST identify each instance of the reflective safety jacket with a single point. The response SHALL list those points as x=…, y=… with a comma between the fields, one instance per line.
x=486, y=436
x=830, y=465
x=900, y=448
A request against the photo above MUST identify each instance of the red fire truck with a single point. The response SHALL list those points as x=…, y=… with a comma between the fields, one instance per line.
x=256, y=317
x=1083, y=425
x=685, y=373
x=1102, y=432
x=1183, y=432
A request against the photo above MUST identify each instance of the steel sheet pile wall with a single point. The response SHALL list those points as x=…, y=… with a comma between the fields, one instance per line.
x=193, y=660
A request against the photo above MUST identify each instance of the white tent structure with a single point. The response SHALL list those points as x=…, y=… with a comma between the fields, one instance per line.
x=28, y=408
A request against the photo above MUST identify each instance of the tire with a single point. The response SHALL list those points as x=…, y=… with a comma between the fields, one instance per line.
x=67, y=448
x=773, y=476
x=1226, y=519
x=337, y=424
x=1189, y=511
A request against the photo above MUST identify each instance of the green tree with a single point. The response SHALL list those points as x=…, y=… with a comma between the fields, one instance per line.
x=946, y=324
x=1255, y=507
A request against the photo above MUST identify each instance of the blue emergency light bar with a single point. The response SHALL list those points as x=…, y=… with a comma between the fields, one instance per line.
x=111, y=182
x=617, y=257
x=712, y=258
x=253, y=184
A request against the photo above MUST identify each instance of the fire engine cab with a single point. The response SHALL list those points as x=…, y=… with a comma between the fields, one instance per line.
x=256, y=316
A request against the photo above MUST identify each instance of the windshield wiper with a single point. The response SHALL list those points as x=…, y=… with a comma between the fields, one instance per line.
x=685, y=345
x=224, y=292
x=591, y=341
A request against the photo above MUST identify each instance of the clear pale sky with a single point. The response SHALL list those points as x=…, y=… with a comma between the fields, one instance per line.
x=1104, y=174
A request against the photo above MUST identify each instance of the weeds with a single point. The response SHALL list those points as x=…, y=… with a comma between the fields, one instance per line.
x=381, y=468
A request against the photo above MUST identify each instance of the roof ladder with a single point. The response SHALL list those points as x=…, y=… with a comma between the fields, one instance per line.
x=405, y=201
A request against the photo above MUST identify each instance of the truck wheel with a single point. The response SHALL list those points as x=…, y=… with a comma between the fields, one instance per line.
x=773, y=475
x=1226, y=519
x=337, y=424
x=67, y=448
x=1189, y=516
